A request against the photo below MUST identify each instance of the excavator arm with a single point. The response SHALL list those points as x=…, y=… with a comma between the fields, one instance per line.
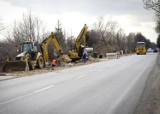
x=79, y=45
x=46, y=42
x=81, y=39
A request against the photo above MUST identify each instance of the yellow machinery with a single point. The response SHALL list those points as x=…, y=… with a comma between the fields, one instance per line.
x=32, y=54
x=141, y=48
x=80, y=44
x=44, y=45
x=46, y=42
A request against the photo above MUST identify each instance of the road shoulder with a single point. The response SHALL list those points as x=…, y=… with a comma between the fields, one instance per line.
x=150, y=99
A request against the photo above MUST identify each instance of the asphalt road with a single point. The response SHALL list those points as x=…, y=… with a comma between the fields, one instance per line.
x=109, y=87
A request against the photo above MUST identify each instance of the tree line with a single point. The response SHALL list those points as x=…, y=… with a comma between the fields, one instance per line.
x=155, y=6
x=104, y=37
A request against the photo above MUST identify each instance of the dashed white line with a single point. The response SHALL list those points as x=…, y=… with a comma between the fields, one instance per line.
x=44, y=89
x=20, y=97
x=81, y=76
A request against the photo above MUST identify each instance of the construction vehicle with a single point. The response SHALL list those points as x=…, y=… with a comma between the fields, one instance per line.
x=80, y=45
x=32, y=54
x=141, y=48
x=44, y=45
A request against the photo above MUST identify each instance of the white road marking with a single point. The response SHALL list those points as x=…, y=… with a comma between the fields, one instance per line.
x=44, y=89
x=92, y=70
x=14, y=99
x=20, y=97
x=100, y=70
x=81, y=76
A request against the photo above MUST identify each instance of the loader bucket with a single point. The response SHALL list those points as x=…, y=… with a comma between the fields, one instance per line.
x=15, y=66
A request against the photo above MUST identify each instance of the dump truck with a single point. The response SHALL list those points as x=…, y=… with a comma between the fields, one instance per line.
x=33, y=55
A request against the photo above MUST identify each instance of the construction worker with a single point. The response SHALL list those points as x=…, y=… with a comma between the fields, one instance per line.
x=84, y=57
x=54, y=63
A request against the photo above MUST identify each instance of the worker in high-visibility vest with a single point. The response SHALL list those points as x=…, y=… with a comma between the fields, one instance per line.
x=54, y=63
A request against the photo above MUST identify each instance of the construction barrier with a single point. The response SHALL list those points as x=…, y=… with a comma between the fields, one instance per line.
x=118, y=54
x=113, y=55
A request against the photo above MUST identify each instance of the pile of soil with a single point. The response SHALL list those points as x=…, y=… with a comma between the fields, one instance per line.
x=63, y=65
x=150, y=99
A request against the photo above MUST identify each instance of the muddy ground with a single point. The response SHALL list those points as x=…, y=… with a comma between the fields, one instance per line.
x=150, y=99
x=49, y=68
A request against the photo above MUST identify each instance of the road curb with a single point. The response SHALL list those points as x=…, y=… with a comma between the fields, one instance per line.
x=8, y=78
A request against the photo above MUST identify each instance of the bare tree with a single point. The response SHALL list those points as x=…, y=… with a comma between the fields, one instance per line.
x=130, y=43
x=28, y=29
x=106, y=35
x=44, y=33
x=70, y=42
x=1, y=27
x=155, y=6
x=24, y=30
x=152, y=4
x=106, y=30
x=120, y=40
x=61, y=36
x=37, y=22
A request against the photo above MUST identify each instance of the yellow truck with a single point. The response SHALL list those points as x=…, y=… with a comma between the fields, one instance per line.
x=141, y=48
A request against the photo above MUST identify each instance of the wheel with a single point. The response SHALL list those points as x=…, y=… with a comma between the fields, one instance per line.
x=40, y=62
x=31, y=66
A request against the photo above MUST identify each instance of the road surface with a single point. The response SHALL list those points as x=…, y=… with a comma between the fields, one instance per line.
x=108, y=87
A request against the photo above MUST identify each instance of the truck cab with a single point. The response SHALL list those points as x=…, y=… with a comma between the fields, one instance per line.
x=141, y=48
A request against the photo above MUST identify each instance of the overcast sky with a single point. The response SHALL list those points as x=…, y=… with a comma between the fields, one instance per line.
x=73, y=14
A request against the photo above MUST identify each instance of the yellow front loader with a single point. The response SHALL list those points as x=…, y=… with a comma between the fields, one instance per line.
x=33, y=55
x=29, y=57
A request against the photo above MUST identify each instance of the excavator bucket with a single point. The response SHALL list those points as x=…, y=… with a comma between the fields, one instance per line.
x=15, y=66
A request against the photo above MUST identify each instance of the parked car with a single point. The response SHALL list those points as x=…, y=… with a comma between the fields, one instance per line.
x=150, y=50
x=155, y=50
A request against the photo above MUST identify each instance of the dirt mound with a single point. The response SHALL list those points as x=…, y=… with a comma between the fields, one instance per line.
x=65, y=58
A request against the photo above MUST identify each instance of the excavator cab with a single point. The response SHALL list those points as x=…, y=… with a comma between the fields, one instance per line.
x=27, y=48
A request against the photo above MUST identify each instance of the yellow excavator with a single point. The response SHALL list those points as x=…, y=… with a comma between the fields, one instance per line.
x=46, y=42
x=32, y=54
x=80, y=44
